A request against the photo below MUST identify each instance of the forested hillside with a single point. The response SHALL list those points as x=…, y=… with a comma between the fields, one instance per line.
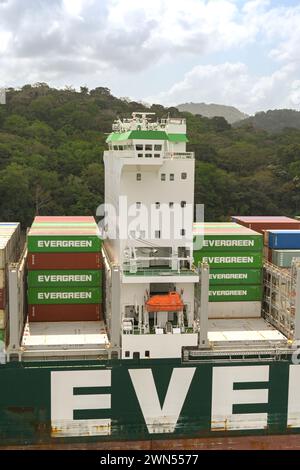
x=51, y=149
x=274, y=120
x=211, y=110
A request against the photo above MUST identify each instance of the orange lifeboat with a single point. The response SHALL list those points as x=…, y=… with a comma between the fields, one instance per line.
x=170, y=302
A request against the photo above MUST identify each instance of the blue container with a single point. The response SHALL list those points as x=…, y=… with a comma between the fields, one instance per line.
x=284, y=239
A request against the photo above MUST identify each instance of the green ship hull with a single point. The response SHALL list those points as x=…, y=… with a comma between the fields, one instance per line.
x=88, y=401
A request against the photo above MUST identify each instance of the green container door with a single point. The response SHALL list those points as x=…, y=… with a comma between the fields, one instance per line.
x=235, y=276
x=67, y=278
x=64, y=295
x=231, y=259
x=63, y=243
x=239, y=293
x=234, y=242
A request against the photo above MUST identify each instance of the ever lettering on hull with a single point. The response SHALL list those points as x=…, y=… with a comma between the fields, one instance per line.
x=161, y=416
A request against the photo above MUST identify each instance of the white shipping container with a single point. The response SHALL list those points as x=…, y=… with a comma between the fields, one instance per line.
x=2, y=278
x=284, y=258
x=10, y=235
x=3, y=255
x=250, y=309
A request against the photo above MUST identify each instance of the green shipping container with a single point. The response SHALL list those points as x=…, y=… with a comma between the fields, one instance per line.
x=235, y=276
x=241, y=259
x=68, y=278
x=2, y=335
x=63, y=243
x=235, y=293
x=64, y=295
x=232, y=242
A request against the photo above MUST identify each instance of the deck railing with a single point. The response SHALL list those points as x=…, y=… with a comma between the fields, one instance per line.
x=179, y=155
x=165, y=155
x=159, y=271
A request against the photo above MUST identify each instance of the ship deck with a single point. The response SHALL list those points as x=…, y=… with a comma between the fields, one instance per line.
x=246, y=330
x=64, y=339
x=69, y=340
x=247, y=339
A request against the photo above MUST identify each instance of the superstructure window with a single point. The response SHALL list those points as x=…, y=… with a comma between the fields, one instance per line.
x=139, y=147
x=127, y=353
x=183, y=203
x=140, y=155
x=138, y=205
x=163, y=176
x=157, y=205
x=139, y=177
x=157, y=155
x=148, y=155
x=157, y=147
x=115, y=147
x=183, y=176
x=121, y=147
x=148, y=147
x=157, y=233
x=171, y=205
x=182, y=232
x=172, y=177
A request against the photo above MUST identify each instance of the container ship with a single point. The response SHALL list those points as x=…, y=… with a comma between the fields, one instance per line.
x=124, y=331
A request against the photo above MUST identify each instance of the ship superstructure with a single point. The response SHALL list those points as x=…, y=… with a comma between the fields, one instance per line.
x=149, y=180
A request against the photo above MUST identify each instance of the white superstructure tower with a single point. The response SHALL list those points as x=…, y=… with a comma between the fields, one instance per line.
x=149, y=197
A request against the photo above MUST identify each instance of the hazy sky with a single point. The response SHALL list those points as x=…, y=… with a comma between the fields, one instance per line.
x=244, y=53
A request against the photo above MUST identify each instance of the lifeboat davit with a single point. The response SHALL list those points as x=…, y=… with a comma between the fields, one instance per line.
x=170, y=302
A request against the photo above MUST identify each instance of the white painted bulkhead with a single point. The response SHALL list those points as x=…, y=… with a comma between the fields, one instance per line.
x=150, y=191
x=249, y=309
x=157, y=346
x=121, y=181
x=162, y=277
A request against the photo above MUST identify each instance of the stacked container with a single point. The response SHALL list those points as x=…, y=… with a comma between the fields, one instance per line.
x=262, y=223
x=10, y=242
x=234, y=254
x=64, y=270
x=282, y=246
